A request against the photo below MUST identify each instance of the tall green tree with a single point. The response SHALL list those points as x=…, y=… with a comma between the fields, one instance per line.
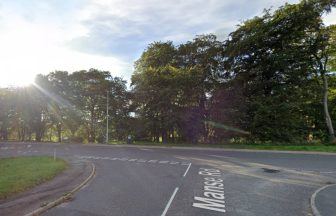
x=271, y=58
x=204, y=54
x=153, y=86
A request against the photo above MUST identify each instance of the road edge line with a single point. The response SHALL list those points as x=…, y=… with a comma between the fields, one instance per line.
x=169, y=202
x=313, y=198
x=185, y=173
x=64, y=197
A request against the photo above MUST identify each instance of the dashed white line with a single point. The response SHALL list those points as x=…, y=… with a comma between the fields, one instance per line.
x=146, y=149
x=185, y=173
x=136, y=160
x=7, y=148
x=152, y=161
x=174, y=162
x=163, y=162
x=169, y=202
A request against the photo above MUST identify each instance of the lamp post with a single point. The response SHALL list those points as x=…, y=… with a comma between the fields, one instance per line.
x=107, y=117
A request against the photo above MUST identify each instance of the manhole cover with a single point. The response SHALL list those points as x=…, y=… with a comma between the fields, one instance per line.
x=270, y=170
x=329, y=183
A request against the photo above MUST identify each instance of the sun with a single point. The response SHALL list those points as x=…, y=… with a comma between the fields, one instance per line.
x=24, y=81
x=12, y=79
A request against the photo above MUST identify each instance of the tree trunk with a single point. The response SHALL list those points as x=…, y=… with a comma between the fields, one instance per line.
x=23, y=134
x=203, y=117
x=172, y=136
x=164, y=136
x=326, y=110
x=38, y=137
x=50, y=134
x=4, y=134
x=59, y=132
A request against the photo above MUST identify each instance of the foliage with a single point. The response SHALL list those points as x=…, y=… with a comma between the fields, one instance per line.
x=67, y=106
x=271, y=80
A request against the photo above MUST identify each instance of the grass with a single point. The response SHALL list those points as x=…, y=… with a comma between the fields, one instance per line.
x=22, y=173
x=312, y=148
x=279, y=147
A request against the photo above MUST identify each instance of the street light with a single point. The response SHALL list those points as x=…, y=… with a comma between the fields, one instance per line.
x=107, y=117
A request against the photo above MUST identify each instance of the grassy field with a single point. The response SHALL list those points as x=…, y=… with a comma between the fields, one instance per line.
x=21, y=173
x=279, y=147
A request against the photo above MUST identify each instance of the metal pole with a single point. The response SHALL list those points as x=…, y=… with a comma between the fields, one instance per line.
x=107, y=117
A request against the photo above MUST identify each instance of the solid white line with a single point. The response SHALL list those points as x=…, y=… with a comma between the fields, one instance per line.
x=313, y=199
x=169, y=202
x=187, y=170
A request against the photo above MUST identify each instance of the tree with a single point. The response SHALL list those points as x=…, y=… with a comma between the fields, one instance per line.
x=6, y=112
x=271, y=58
x=153, y=86
x=325, y=62
x=172, y=87
x=205, y=54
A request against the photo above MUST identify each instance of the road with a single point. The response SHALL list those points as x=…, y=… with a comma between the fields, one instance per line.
x=166, y=181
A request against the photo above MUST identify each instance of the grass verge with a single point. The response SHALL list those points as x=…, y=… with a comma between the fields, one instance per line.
x=278, y=147
x=21, y=173
x=312, y=148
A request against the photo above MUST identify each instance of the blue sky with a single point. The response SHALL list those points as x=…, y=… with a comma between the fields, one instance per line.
x=39, y=36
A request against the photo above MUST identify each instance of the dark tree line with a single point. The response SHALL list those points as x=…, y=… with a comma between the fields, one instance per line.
x=270, y=80
x=62, y=106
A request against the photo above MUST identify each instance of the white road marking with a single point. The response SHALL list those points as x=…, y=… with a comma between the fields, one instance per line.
x=135, y=160
x=146, y=149
x=212, y=182
x=174, y=163
x=220, y=156
x=7, y=148
x=163, y=162
x=152, y=161
x=169, y=202
x=187, y=170
x=312, y=171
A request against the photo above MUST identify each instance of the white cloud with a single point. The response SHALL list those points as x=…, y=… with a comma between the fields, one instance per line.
x=330, y=19
x=31, y=47
x=42, y=36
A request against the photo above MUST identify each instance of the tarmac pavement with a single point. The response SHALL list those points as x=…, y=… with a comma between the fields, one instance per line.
x=167, y=181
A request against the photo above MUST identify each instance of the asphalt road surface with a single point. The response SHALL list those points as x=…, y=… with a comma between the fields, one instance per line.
x=165, y=181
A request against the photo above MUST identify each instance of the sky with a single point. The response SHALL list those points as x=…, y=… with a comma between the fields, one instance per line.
x=41, y=36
